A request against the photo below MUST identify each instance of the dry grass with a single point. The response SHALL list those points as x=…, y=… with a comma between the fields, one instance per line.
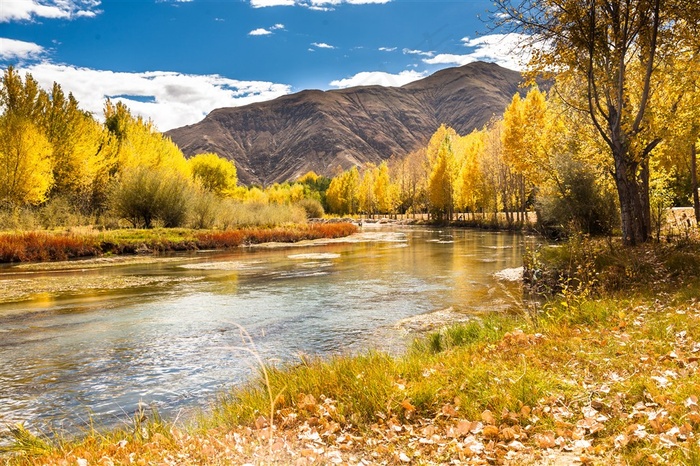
x=46, y=246
x=53, y=246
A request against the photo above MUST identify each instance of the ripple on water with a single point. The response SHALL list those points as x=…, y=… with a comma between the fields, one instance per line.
x=315, y=256
x=225, y=265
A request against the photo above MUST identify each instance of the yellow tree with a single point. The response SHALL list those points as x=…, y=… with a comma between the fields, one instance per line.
x=25, y=163
x=25, y=152
x=343, y=192
x=600, y=45
x=679, y=120
x=409, y=178
x=140, y=145
x=524, y=137
x=383, y=189
x=441, y=180
x=214, y=173
x=366, y=196
x=79, y=149
x=470, y=152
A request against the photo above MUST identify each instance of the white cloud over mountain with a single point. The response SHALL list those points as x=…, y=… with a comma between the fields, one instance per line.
x=170, y=99
x=507, y=50
x=379, y=78
x=27, y=10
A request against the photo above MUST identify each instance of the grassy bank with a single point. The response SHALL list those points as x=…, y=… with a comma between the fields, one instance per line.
x=61, y=245
x=597, y=374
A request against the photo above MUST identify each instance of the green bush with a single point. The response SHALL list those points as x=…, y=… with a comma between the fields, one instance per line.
x=581, y=204
x=205, y=210
x=151, y=196
x=61, y=212
x=312, y=207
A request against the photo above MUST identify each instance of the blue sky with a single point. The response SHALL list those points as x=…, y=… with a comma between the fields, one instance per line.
x=175, y=61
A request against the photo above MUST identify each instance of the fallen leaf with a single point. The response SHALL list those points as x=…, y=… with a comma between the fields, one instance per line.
x=405, y=404
x=490, y=431
x=487, y=417
x=545, y=440
x=449, y=410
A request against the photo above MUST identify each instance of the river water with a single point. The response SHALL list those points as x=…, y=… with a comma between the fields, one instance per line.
x=87, y=341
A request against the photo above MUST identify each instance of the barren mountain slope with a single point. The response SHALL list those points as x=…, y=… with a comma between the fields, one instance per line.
x=316, y=130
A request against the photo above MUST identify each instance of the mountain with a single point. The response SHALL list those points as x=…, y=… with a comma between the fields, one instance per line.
x=316, y=130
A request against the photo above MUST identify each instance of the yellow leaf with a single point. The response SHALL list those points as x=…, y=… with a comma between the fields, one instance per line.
x=407, y=405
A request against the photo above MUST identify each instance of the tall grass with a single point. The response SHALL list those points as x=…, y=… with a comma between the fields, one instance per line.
x=44, y=246
x=52, y=246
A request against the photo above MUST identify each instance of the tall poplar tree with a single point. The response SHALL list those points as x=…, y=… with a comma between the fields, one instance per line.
x=602, y=44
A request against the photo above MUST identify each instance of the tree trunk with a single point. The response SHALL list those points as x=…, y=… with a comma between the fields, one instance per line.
x=635, y=212
x=644, y=196
x=694, y=180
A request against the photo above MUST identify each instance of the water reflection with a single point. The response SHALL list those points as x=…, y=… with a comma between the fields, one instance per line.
x=82, y=341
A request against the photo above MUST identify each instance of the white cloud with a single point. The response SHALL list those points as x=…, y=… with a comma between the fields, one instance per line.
x=322, y=45
x=171, y=99
x=318, y=5
x=267, y=3
x=380, y=78
x=450, y=59
x=260, y=32
x=387, y=49
x=417, y=52
x=11, y=49
x=26, y=10
x=507, y=50
x=266, y=32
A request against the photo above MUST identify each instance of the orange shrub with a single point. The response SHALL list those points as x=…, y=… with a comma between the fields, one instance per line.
x=40, y=246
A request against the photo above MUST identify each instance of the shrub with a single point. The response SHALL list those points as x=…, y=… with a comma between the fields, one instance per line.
x=312, y=207
x=60, y=212
x=205, y=209
x=581, y=204
x=150, y=195
x=237, y=214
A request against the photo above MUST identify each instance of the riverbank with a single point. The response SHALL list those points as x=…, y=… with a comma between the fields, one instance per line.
x=35, y=246
x=599, y=374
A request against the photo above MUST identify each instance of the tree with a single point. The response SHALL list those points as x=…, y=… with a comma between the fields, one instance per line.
x=25, y=152
x=384, y=191
x=140, y=145
x=471, y=148
x=613, y=47
x=213, y=173
x=366, y=196
x=343, y=192
x=409, y=178
x=80, y=152
x=25, y=163
x=441, y=180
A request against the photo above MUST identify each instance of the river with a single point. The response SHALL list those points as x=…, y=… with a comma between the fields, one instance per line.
x=86, y=341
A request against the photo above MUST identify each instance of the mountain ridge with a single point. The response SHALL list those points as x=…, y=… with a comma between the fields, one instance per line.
x=284, y=138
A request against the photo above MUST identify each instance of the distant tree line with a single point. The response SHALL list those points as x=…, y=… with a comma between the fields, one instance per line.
x=59, y=166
